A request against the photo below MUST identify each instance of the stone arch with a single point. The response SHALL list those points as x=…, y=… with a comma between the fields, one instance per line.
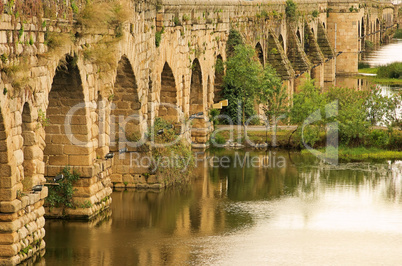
x=168, y=95
x=68, y=130
x=33, y=154
x=196, y=89
x=127, y=106
x=260, y=52
x=218, y=83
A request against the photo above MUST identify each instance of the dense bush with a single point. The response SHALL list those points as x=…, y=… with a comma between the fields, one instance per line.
x=398, y=34
x=290, y=10
x=393, y=71
x=357, y=112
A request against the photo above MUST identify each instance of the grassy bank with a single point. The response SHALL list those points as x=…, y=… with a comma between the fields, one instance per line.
x=388, y=74
x=373, y=147
x=348, y=154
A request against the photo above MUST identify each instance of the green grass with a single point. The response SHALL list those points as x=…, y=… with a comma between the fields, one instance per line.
x=363, y=154
x=369, y=70
x=376, y=80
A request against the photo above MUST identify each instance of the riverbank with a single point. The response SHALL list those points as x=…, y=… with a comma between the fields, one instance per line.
x=375, y=79
x=388, y=147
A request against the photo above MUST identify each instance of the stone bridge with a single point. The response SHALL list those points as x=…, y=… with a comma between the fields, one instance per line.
x=65, y=102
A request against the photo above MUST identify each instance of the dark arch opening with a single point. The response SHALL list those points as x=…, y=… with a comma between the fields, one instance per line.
x=323, y=24
x=280, y=38
x=127, y=105
x=63, y=139
x=362, y=28
x=219, y=72
x=196, y=95
x=168, y=95
x=260, y=53
x=299, y=36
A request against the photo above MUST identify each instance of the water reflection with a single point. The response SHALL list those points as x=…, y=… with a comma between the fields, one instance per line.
x=385, y=54
x=306, y=212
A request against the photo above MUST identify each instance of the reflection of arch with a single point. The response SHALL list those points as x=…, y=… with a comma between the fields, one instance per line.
x=66, y=92
x=219, y=71
x=260, y=53
x=168, y=95
x=280, y=38
x=126, y=103
x=196, y=95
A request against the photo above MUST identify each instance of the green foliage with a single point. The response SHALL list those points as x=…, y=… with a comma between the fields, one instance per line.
x=62, y=195
x=219, y=139
x=290, y=10
x=42, y=119
x=21, y=32
x=4, y=58
x=272, y=95
x=357, y=112
x=241, y=82
x=176, y=21
x=74, y=7
x=315, y=13
x=158, y=37
x=264, y=14
x=31, y=41
x=176, y=172
x=393, y=70
x=186, y=17
x=363, y=65
x=219, y=66
x=213, y=113
x=368, y=45
x=379, y=138
x=169, y=133
x=234, y=39
x=398, y=34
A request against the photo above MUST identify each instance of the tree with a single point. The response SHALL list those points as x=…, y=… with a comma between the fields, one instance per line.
x=305, y=103
x=242, y=81
x=273, y=96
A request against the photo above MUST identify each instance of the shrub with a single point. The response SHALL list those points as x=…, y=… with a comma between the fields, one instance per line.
x=234, y=39
x=398, y=34
x=315, y=13
x=218, y=139
x=378, y=138
x=290, y=10
x=393, y=71
x=62, y=195
x=176, y=21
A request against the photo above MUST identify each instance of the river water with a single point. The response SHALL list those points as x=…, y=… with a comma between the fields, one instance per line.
x=294, y=211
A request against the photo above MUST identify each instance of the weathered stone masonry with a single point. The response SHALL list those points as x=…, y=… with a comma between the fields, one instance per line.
x=180, y=71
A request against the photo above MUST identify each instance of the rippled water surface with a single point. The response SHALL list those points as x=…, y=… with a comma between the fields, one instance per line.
x=294, y=211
